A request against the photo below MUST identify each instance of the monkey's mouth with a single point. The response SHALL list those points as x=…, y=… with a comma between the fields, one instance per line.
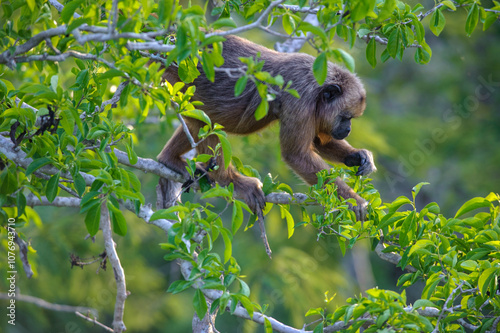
x=339, y=135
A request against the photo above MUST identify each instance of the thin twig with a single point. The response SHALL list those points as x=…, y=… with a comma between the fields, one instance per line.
x=113, y=18
x=263, y=234
x=250, y=26
x=116, y=96
x=93, y=320
x=49, y=306
x=187, y=132
x=445, y=306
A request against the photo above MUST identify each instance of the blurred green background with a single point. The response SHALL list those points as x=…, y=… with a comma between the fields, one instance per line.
x=438, y=123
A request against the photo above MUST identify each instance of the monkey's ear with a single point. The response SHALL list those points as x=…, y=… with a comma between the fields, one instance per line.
x=331, y=92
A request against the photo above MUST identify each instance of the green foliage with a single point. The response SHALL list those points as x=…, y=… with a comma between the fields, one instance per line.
x=75, y=150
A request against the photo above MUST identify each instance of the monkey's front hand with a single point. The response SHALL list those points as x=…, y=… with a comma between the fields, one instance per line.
x=362, y=158
x=250, y=190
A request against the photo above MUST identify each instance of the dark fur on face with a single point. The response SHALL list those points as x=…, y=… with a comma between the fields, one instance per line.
x=311, y=128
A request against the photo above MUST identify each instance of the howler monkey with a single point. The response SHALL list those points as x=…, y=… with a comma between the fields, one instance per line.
x=312, y=127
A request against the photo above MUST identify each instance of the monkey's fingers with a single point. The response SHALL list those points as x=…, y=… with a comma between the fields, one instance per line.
x=366, y=164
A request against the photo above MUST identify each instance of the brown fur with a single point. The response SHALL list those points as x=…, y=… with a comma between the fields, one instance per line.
x=306, y=124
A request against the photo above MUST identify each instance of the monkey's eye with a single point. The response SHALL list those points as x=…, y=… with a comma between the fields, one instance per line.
x=331, y=92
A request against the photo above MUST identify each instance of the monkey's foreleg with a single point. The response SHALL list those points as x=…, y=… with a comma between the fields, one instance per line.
x=341, y=151
x=309, y=163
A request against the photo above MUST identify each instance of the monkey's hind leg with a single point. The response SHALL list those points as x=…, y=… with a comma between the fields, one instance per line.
x=178, y=145
x=247, y=188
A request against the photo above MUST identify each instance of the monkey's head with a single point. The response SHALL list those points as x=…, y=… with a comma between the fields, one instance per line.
x=341, y=98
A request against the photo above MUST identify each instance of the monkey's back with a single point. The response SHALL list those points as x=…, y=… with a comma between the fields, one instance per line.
x=236, y=114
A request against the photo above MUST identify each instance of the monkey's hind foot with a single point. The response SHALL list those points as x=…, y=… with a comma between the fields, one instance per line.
x=361, y=209
x=249, y=189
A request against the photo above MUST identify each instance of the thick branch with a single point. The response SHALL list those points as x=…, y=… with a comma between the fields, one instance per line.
x=393, y=258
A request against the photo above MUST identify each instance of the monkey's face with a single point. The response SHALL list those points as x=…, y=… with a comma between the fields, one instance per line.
x=340, y=100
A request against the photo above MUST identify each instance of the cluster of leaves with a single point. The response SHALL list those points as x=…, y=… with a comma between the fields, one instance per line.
x=446, y=253
x=457, y=258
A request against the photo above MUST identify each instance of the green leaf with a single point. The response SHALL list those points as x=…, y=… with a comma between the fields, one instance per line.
x=417, y=188
x=423, y=303
x=200, y=304
x=472, y=19
x=320, y=68
x=489, y=20
x=484, y=280
x=37, y=164
x=288, y=24
x=67, y=121
x=237, y=219
x=80, y=184
x=245, y=289
x=289, y=220
x=92, y=219
x=216, y=192
x=197, y=114
x=69, y=9
x=240, y=85
x=132, y=156
x=386, y=10
x=168, y=214
x=419, y=30
x=226, y=150
x=267, y=326
x=437, y=22
x=319, y=328
x=179, y=285
x=362, y=8
x=31, y=4
x=347, y=59
x=423, y=243
x=471, y=205
x=470, y=265
x=224, y=22
x=20, y=203
x=110, y=74
x=208, y=66
x=117, y=219
x=52, y=187
x=8, y=182
x=371, y=52
x=423, y=54
x=449, y=4
x=228, y=246
x=76, y=23
x=394, y=42
x=262, y=110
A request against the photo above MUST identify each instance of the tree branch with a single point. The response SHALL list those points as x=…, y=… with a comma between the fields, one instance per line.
x=50, y=306
x=121, y=289
x=250, y=26
x=93, y=320
x=393, y=258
